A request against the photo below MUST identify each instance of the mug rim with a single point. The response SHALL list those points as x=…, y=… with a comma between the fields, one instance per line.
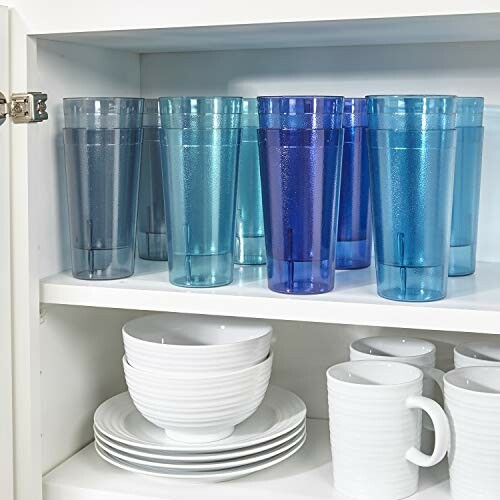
x=458, y=372
x=354, y=346
x=417, y=372
x=460, y=349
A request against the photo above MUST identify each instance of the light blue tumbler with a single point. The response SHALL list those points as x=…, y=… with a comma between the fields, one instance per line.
x=250, y=245
x=151, y=230
x=200, y=149
x=412, y=143
x=467, y=186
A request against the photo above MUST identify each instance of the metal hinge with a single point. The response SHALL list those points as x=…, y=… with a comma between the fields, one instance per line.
x=30, y=107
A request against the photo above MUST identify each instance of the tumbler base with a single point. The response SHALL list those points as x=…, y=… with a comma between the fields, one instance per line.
x=462, y=260
x=299, y=277
x=353, y=254
x=201, y=271
x=411, y=284
x=250, y=250
x=103, y=264
x=152, y=246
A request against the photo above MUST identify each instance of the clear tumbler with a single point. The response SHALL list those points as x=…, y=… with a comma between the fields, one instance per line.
x=412, y=143
x=200, y=149
x=102, y=144
x=467, y=185
x=151, y=231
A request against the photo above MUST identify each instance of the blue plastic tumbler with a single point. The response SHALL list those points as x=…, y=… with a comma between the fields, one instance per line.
x=200, y=148
x=151, y=231
x=250, y=245
x=300, y=146
x=102, y=146
x=467, y=185
x=412, y=142
x=354, y=236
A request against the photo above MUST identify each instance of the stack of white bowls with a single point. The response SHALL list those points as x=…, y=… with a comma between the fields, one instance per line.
x=198, y=405
x=196, y=376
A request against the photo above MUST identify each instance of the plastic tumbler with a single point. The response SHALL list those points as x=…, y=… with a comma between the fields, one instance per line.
x=250, y=245
x=152, y=232
x=412, y=142
x=300, y=146
x=102, y=144
x=200, y=149
x=354, y=236
x=467, y=185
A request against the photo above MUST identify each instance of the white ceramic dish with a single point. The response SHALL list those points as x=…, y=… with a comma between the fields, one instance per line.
x=199, y=410
x=202, y=466
x=478, y=353
x=193, y=343
x=207, y=476
x=201, y=457
x=280, y=412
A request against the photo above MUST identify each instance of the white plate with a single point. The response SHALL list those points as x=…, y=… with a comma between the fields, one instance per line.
x=208, y=476
x=201, y=457
x=280, y=412
x=205, y=466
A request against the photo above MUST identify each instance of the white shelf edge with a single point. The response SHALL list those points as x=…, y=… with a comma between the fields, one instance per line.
x=473, y=304
x=307, y=475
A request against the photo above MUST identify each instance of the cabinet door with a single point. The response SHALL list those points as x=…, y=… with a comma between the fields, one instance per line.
x=6, y=438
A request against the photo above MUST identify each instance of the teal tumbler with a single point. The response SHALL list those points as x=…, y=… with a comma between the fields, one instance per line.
x=200, y=149
x=467, y=185
x=250, y=245
x=411, y=143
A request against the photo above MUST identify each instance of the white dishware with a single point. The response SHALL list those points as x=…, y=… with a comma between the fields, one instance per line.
x=194, y=457
x=478, y=353
x=195, y=344
x=472, y=401
x=201, y=409
x=206, y=476
x=280, y=412
x=375, y=428
x=202, y=466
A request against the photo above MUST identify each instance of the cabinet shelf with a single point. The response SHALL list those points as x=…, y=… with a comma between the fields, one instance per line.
x=85, y=476
x=472, y=305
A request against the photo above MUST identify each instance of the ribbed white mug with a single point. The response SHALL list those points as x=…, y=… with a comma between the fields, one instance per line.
x=472, y=401
x=478, y=353
x=375, y=428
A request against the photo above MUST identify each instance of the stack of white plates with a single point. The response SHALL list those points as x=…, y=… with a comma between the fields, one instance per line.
x=277, y=430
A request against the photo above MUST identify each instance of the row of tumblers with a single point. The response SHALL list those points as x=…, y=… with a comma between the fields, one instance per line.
x=412, y=148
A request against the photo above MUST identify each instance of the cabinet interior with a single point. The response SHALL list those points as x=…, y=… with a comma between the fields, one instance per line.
x=80, y=348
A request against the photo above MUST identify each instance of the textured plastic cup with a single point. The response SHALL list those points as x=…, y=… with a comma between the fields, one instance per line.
x=300, y=146
x=354, y=236
x=467, y=186
x=102, y=173
x=200, y=148
x=250, y=245
x=152, y=229
x=412, y=142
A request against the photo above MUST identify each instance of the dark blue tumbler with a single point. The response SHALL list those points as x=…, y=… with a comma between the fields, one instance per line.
x=354, y=236
x=466, y=186
x=300, y=147
x=411, y=143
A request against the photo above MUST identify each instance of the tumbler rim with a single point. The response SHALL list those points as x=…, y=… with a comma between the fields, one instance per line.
x=294, y=105
x=210, y=105
x=411, y=103
x=113, y=106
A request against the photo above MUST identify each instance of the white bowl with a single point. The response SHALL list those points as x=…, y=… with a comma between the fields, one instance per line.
x=195, y=344
x=200, y=408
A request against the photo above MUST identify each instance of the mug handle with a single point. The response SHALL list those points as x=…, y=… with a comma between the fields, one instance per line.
x=441, y=432
x=435, y=374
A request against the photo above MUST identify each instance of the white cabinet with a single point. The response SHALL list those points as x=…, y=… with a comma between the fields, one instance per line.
x=66, y=333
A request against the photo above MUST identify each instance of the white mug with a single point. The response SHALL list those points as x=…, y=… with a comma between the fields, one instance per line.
x=479, y=353
x=472, y=401
x=375, y=428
